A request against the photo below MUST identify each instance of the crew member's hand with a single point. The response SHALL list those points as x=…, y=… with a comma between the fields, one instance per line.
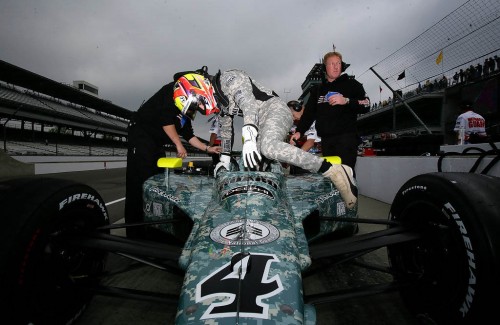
x=251, y=156
x=294, y=138
x=181, y=151
x=216, y=149
x=337, y=99
x=224, y=162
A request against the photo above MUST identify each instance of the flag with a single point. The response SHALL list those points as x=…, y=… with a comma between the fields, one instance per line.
x=380, y=87
x=401, y=75
x=439, y=57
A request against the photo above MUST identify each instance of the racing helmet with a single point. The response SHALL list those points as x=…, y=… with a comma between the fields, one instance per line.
x=192, y=93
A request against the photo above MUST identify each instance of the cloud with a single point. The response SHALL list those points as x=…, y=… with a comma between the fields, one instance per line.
x=129, y=49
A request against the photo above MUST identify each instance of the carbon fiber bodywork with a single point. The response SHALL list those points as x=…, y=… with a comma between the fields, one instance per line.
x=248, y=244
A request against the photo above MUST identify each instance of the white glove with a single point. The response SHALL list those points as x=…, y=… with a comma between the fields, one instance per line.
x=225, y=161
x=251, y=156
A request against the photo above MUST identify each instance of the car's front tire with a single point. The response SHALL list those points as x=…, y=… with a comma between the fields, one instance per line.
x=42, y=276
x=454, y=269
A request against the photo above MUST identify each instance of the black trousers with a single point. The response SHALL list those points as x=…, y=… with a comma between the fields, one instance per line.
x=343, y=145
x=142, y=156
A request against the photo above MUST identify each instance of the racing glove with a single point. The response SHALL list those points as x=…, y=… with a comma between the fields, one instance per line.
x=251, y=156
x=225, y=161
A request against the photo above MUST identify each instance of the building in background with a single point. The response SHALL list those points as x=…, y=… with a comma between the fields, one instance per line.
x=86, y=87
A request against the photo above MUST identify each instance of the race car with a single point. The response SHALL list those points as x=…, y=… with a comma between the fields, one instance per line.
x=243, y=240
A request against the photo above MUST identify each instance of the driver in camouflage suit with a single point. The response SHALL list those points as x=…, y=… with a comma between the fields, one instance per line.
x=267, y=121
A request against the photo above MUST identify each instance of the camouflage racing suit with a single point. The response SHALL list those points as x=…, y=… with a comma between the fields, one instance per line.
x=263, y=108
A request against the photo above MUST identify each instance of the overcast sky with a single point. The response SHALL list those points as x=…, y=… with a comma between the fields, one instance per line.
x=129, y=49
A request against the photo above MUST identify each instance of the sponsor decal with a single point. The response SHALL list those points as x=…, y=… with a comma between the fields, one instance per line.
x=164, y=194
x=421, y=188
x=223, y=287
x=230, y=80
x=84, y=196
x=246, y=178
x=341, y=209
x=254, y=189
x=246, y=232
x=157, y=209
x=452, y=214
x=226, y=145
x=325, y=197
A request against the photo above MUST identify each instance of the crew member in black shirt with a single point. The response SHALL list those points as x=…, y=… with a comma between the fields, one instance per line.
x=335, y=105
x=161, y=120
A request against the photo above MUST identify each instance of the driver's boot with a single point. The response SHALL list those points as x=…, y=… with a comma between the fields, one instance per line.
x=343, y=179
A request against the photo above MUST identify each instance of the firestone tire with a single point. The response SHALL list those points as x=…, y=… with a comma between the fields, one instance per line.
x=454, y=269
x=42, y=276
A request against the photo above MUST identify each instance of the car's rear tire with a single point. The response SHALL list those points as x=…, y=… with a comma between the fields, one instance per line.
x=42, y=276
x=455, y=268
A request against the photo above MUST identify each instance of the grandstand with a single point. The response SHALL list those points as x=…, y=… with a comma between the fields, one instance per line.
x=28, y=103
x=39, y=116
x=468, y=35
x=453, y=60
x=22, y=148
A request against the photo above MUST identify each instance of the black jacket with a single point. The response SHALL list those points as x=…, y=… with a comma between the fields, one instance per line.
x=338, y=119
x=160, y=110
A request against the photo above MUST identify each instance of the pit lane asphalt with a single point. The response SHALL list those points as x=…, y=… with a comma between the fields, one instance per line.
x=381, y=309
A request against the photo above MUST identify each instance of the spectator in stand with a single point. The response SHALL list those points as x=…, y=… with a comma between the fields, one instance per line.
x=479, y=70
x=470, y=125
x=491, y=65
x=427, y=86
x=471, y=73
x=443, y=82
x=497, y=60
x=462, y=75
x=486, y=67
x=335, y=105
x=455, y=78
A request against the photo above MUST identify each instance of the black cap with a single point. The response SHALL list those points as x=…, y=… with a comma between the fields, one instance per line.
x=295, y=105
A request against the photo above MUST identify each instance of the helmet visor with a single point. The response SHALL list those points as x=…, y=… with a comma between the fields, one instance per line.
x=191, y=107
